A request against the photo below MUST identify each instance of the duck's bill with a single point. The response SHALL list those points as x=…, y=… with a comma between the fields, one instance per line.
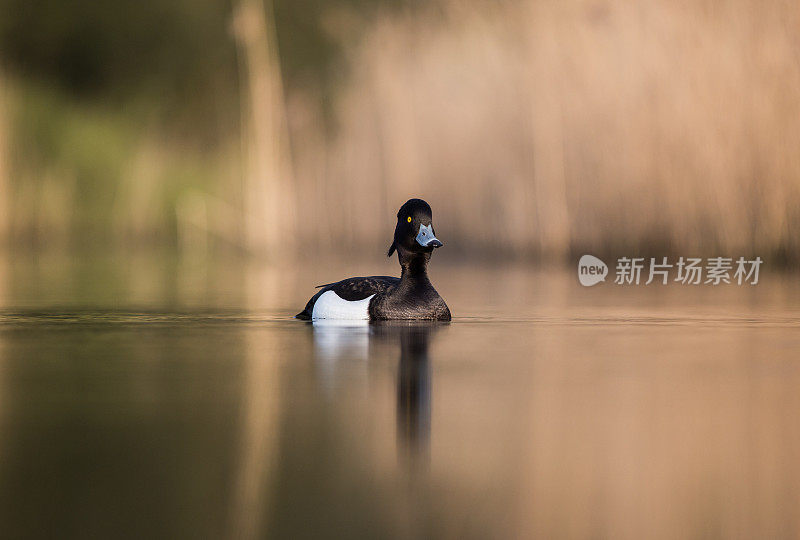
x=426, y=238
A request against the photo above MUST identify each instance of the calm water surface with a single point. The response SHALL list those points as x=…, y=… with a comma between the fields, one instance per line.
x=161, y=399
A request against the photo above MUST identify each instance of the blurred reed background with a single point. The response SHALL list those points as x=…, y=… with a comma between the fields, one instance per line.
x=536, y=129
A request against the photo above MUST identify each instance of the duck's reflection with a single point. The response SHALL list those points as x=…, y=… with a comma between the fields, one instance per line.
x=414, y=390
x=339, y=342
x=336, y=343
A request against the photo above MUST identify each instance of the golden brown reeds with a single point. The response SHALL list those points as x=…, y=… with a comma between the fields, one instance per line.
x=536, y=129
x=552, y=127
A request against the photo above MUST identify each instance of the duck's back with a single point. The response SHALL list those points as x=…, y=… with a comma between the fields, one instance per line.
x=348, y=295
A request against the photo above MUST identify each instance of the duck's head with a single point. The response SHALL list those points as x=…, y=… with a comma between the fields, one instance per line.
x=414, y=230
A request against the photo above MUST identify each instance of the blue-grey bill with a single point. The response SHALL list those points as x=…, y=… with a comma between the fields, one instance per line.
x=426, y=238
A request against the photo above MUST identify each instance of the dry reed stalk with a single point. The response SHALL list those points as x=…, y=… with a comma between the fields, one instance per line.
x=5, y=192
x=267, y=194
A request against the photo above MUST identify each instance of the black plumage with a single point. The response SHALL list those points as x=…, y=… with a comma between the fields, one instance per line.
x=411, y=296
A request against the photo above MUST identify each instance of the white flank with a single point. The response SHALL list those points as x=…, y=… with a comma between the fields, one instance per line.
x=331, y=306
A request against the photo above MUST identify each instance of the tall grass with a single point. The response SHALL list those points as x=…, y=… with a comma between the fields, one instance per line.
x=548, y=128
x=535, y=129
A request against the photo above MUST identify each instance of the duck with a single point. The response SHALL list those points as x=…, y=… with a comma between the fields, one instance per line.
x=381, y=298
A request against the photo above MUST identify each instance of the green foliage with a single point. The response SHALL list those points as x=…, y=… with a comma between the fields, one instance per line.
x=85, y=148
x=120, y=48
x=74, y=165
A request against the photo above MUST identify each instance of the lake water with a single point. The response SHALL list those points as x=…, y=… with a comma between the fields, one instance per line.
x=168, y=398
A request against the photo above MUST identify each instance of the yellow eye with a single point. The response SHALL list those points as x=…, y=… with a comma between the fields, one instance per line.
x=409, y=219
